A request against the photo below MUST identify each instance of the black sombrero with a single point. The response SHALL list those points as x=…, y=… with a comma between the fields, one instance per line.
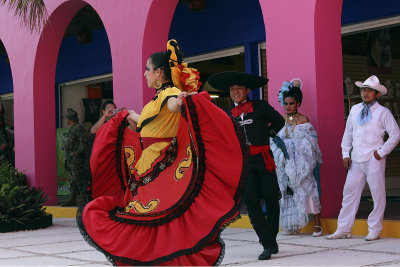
x=224, y=80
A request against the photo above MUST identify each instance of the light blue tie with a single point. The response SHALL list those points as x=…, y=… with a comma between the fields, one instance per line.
x=365, y=114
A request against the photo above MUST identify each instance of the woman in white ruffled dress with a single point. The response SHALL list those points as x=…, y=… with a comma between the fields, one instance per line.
x=295, y=170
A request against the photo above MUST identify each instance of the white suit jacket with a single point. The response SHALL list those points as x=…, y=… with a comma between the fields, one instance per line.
x=363, y=140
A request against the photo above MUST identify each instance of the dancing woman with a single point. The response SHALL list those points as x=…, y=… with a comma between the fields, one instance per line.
x=163, y=194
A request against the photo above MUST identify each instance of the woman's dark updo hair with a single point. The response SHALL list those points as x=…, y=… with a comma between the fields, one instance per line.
x=294, y=92
x=161, y=60
x=103, y=107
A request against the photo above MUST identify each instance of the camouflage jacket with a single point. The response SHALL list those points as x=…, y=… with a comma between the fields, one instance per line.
x=74, y=141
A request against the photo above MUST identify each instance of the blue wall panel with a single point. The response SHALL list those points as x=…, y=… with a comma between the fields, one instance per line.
x=6, y=83
x=354, y=11
x=77, y=61
x=224, y=24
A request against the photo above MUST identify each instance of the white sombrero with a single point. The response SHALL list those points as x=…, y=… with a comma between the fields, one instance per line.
x=373, y=82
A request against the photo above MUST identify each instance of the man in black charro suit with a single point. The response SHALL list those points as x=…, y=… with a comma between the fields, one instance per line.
x=259, y=122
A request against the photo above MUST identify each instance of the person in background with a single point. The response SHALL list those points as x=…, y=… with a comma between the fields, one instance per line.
x=107, y=112
x=74, y=146
x=364, y=155
x=259, y=122
x=295, y=172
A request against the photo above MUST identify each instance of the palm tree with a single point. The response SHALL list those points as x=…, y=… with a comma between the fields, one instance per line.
x=33, y=13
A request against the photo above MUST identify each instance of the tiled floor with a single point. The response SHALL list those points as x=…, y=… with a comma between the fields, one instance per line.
x=62, y=245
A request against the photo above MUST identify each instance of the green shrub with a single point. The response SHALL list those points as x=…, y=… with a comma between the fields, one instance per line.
x=19, y=203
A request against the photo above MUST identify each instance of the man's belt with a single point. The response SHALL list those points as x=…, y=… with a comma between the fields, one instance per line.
x=264, y=151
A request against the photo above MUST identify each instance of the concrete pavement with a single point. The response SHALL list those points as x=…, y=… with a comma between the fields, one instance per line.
x=62, y=245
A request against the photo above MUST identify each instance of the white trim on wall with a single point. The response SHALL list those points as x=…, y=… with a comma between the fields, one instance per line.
x=368, y=25
x=89, y=80
x=217, y=54
x=7, y=96
x=363, y=26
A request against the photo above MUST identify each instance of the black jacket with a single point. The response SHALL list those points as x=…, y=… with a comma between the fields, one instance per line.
x=258, y=125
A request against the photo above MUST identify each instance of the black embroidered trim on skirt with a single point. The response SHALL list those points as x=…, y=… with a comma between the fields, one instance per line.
x=149, y=119
x=133, y=183
x=191, y=192
x=205, y=241
x=118, y=151
x=169, y=158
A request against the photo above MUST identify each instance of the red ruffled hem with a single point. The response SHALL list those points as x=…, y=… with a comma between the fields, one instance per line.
x=191, y=237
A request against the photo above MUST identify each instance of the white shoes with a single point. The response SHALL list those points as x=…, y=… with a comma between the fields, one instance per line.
x=372, y=236
x=316, y=234
x=339, y=235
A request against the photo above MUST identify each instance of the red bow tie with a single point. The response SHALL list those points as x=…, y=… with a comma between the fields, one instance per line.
x=246, y=107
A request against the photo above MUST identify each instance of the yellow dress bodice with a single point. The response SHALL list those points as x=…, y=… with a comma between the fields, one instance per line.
x=157, y=121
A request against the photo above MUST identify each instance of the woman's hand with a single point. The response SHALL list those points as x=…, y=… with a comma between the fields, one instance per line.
x=179, y=100
x=132, y=119
x=182, y=95
x=133, y=116
x=174, y=104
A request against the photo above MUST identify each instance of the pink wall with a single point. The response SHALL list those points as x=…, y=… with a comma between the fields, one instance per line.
x=305, y=43
x=304, y=40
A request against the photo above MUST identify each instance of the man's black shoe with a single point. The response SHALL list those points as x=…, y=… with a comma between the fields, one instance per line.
x=274, y=250
x=265, y=255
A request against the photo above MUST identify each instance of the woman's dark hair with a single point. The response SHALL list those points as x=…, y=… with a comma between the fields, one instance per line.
x=161, y=59
x=294, y=92
x=103, y=107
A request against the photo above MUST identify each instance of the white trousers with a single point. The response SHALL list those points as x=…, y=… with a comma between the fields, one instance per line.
x=372, y=172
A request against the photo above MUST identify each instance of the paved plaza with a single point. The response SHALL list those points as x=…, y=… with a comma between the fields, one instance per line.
x=62, y=245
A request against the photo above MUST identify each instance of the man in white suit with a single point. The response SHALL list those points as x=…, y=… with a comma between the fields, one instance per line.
x=364, y=155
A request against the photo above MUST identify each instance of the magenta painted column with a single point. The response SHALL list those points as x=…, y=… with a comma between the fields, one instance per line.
x=303, y=40
x=44, y=134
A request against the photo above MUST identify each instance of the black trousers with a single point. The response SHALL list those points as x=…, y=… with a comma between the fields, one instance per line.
x=261, y=184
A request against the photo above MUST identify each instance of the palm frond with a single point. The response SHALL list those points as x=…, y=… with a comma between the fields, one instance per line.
x=33, y=13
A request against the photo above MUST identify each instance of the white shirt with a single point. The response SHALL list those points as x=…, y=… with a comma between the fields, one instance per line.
x=363, y=140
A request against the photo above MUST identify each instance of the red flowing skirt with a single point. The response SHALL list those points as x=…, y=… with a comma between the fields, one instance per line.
x=172, y=214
